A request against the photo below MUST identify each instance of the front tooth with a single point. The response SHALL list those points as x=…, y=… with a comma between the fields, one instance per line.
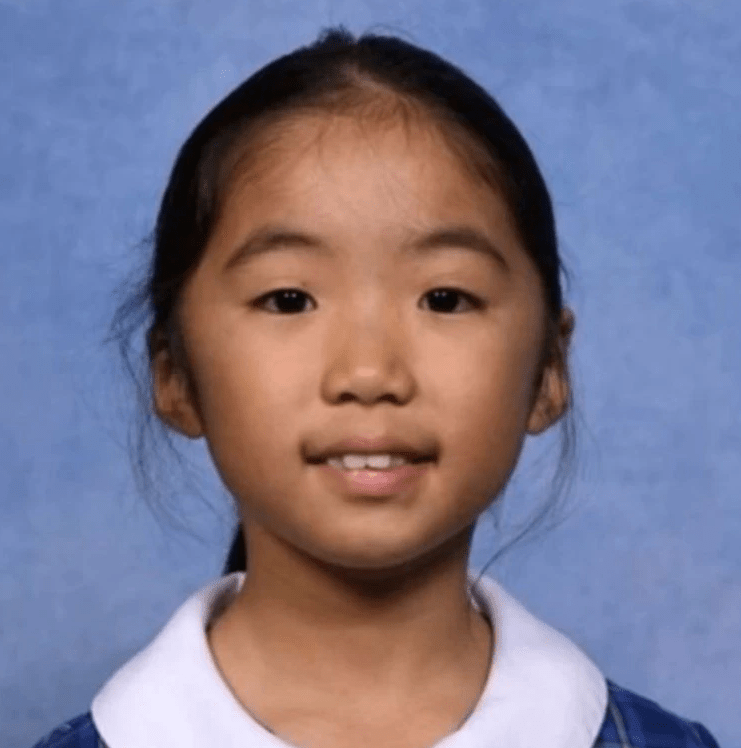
x=358, y=462
x=378, y=462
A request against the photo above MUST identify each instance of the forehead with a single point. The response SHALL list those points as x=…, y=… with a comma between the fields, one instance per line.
x=397, y=164
x=375, y=189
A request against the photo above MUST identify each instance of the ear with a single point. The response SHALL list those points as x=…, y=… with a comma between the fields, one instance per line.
x=552, y=399
x=174, y=401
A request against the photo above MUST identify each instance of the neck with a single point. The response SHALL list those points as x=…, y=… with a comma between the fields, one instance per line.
x=360, y=631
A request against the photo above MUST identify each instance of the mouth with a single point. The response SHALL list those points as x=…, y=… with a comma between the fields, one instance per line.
x=369, y=482
x=410, y=460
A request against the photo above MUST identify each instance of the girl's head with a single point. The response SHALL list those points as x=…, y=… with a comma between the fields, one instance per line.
x=358, y=242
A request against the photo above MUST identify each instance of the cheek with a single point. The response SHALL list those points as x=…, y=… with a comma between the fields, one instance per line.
x=246, y=401
x=486, y=401
x=249, y=430
x=250, y=396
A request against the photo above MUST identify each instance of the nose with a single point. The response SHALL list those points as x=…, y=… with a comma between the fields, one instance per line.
x=369, y=359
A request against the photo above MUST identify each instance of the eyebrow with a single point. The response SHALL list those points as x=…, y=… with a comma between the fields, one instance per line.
x=273, y=238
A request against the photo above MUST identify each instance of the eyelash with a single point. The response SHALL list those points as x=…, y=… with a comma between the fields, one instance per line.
x=260, y=302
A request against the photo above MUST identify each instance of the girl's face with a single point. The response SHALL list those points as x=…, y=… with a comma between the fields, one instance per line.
x=365, y=348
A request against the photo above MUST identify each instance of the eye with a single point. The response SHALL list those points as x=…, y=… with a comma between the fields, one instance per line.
x=443, y=297
x=294, y=297
x=290, y=300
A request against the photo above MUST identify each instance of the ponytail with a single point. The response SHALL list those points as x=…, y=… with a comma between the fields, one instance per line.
x=236, y=560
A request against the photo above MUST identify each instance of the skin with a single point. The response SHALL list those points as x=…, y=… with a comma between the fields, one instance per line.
x=366, y=597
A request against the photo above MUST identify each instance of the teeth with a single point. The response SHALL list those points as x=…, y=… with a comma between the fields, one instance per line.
x=375, y=462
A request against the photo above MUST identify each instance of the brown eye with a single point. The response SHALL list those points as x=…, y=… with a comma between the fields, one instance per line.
x=291, y=300
x=447, y=297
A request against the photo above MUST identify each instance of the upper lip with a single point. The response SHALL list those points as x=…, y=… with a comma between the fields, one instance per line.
x=374, y=445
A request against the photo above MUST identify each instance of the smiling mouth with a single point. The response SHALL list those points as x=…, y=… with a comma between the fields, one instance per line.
x=410, y=461
x=370, y=482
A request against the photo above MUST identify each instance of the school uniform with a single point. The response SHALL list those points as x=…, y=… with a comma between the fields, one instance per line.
x=543, y=691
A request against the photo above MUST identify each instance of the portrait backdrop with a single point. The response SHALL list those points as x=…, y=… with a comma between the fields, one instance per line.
x=632, y=111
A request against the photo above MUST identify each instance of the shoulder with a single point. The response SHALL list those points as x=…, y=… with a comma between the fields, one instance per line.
x=632, y=720
x=78, y=732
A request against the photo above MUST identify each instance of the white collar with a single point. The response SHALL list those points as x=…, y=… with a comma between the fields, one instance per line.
x=542, y=689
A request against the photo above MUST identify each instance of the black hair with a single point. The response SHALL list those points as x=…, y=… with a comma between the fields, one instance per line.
x=337, y=73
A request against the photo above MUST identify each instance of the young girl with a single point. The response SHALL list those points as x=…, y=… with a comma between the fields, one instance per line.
x=356, y=302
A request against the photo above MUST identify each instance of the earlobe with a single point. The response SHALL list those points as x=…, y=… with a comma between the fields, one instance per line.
x=172, y=399
x=550, y=404
x=553, y=397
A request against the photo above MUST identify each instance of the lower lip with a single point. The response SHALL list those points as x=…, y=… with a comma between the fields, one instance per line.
x=375, y=482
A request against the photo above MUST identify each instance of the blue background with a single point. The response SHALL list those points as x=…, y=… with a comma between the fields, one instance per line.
x=632, y=109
